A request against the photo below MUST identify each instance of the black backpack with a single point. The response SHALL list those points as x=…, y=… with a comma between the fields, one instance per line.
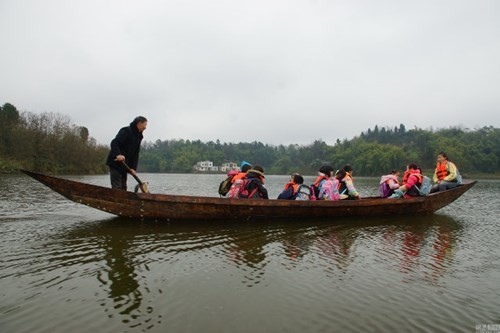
x=314, y=190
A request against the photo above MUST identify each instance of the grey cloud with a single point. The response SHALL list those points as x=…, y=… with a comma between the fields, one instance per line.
x=280, y=72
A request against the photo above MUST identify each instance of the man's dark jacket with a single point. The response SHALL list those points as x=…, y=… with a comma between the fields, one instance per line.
x=127, y=143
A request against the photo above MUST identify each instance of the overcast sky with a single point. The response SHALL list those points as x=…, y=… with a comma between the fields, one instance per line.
x=280, y=71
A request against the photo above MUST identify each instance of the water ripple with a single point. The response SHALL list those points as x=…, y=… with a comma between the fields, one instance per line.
x=64, y=268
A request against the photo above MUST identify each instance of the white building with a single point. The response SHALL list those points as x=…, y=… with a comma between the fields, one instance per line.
x=226, y=167
x=205, y=166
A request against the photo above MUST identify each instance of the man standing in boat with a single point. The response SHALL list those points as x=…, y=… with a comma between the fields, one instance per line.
x=125, y=149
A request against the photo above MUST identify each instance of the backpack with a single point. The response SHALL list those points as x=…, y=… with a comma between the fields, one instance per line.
x=384, y=190
x=303, y=192
x=236, y=188
x=244, y=190
x=425, y=188
x=225, y=185
x=315, y=189
x=329, y=190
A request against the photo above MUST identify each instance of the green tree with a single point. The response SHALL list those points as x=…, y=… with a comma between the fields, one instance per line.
x=9, y=121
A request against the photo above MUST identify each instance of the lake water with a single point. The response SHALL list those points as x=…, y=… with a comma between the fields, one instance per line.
x=66, y=267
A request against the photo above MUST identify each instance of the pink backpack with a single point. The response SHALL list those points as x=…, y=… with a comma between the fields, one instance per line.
x=236, y=188
x=330, y=190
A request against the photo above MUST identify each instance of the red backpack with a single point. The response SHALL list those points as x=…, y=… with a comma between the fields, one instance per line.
x=245, y=192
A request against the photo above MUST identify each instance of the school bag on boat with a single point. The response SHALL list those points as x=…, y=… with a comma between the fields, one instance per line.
x=384, y=190
x=303, y=192
x=315, y=189
x=225, y=185
x=236, y=188
x=244, y=189
x=425, y=188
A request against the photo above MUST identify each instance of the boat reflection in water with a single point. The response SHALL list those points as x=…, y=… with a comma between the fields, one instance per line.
x=139, y=262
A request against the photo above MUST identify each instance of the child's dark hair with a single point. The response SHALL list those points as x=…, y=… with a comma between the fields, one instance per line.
x=442, y=153
x=340, y=174
x=347, y=168
x=246, y=167
x=326, y=169
x=412, y=166
x=258, y=168
x=298, y=179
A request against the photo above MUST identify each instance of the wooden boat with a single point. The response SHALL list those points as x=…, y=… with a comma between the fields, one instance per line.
x=181, y=207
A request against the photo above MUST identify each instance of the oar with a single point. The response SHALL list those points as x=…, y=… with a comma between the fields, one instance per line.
x=141, y=185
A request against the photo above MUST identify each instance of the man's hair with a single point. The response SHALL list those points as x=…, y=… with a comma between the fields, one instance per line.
x=139, y=119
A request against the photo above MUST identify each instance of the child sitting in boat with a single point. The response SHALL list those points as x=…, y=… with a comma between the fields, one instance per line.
x=237, y=180
x=330, y=188
x=412, y=181
x=389, y=183
x=347, y=190
x=253, y=184
x=446, y=175
x=325, y=173
x=295, y=189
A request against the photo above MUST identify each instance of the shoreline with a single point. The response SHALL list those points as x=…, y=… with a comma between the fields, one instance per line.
x=479, y=176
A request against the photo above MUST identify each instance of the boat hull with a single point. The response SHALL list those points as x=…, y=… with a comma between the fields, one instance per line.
x=180, y=207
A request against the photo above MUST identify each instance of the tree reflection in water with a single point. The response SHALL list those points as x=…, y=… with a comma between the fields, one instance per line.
x=121, y=276
x=128, y=246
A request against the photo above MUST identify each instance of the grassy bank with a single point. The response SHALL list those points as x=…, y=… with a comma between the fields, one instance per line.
x=9, y=166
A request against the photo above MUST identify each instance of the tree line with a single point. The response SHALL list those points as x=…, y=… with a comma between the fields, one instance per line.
x=49, y=142
x=374, y=152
